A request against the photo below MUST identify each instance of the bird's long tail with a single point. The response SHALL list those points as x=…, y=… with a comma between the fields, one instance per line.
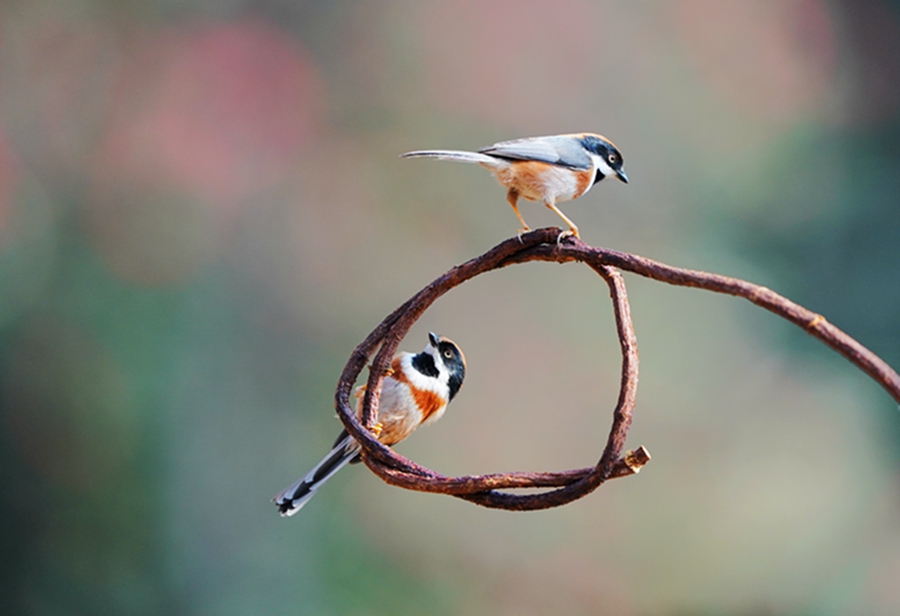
x=458, y=156
x=291, y=499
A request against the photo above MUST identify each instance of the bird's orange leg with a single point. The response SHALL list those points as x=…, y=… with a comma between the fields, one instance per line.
x=513, y=197
x=573, y=229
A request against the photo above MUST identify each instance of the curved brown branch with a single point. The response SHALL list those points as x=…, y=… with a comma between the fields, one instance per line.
x=542, y=245
x=814, y=324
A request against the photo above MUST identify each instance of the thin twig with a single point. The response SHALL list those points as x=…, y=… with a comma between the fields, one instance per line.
x=542, y=245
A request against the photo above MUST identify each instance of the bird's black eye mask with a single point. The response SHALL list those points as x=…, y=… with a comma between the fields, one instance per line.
x=604, y=150
x=451, y=358
x=595, y=145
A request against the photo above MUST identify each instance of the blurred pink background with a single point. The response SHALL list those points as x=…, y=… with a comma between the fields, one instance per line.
x=202, y=212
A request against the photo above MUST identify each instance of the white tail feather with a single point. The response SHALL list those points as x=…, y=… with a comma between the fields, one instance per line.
x=291, y=499
x=459, y=156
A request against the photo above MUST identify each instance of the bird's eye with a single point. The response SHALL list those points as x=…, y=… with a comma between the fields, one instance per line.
x=612, y=159
x=448, y=354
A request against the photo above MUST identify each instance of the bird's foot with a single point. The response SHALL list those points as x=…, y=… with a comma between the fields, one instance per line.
x=377, y=428
x=564, y=234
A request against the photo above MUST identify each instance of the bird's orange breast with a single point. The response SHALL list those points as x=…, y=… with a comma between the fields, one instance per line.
x=540, y=181
x=427, y=401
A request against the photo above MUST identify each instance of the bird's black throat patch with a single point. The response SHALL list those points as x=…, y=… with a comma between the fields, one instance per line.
x=424, y=363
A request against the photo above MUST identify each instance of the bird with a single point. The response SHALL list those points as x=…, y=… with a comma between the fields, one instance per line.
x=551, y=169
x=415, y=392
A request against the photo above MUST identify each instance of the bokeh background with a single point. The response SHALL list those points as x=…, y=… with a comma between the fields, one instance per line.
x=202, y=212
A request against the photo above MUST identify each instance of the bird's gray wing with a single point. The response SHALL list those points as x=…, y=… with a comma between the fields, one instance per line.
x=565, y=150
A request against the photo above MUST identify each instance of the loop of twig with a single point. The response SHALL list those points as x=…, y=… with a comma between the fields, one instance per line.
x=542, y=245
x=483, y=489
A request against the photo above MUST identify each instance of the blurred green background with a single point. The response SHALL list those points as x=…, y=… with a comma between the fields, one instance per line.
x=202, y=212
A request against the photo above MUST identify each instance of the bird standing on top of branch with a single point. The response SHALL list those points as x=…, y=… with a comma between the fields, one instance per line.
x=550, y=169
x=416, y=392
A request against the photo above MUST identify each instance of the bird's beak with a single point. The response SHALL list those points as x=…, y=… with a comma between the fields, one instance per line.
x=622, y=176
x=434, y=339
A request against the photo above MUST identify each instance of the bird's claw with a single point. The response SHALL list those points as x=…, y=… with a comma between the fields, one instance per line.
x=564, y=234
